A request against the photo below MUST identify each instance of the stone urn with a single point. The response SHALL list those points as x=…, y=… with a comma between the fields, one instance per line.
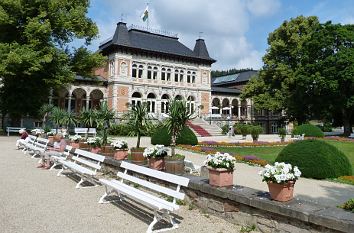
x=220, y=177
x=281, y=192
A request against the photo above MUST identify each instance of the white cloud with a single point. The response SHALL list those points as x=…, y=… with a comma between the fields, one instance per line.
x=263, y=7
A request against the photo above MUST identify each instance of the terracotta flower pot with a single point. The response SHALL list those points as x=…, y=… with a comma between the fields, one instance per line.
x=120, y=154
x=137, y=156
x=75, y=144
x=281, y=192
x=220, y=177
x=157, y=163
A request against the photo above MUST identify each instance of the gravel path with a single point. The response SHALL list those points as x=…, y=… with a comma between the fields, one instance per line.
x=34, y=200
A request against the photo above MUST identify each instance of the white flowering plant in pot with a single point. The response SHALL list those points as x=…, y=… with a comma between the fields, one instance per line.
x=119, y=145
x=280, y=173
x=94, y=141
x=220, y=160
x=75, y=138
x=157, y=151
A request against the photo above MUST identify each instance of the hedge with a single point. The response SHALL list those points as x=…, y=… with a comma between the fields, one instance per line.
x=161, y=136
x=309, y=131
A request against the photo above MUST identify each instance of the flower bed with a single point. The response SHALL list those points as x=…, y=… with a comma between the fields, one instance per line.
x=340, y=139
x=241, y=144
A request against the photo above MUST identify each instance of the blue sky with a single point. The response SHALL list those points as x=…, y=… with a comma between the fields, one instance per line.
x=235, y=31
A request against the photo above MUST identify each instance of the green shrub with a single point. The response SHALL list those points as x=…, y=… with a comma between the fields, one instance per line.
x=119, y=130
x=316, y=159
x=225, y=129
x=161, y=136
x=348, y=205
x=309, y=131
x=242, y=129
x=282, y=133
x=326, y=127
x=255, y=131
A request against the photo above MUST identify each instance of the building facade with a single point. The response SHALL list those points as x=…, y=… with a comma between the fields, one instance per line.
x=146, y=66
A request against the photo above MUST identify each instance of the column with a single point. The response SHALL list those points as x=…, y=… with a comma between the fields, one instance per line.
x=87, y=102
x=239, y=112
x=114, y=97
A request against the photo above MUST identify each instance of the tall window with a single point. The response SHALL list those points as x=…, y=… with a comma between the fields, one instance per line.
x=193, y=77
x=149, y=74
x=181, y=75
x=154, y=73
x=136, y=98
x=176, y=76
x=188, y=77
x=168, y=75
x=134, y=71
x=140, y=71
x=164, y=103
x=111, y=67
x=190, y=104
x=163, y=74
x=151, y=103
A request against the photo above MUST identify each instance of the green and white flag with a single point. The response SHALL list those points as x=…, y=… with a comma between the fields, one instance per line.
x=145, y=14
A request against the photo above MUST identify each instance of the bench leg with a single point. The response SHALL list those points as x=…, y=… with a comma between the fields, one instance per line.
x=107, y=192
x=34, y=155
x=53, y=166
x=60, y=172
x=78, y=184
x=157, y=217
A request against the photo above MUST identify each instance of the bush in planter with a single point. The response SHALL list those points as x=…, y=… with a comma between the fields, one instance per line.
x=316, y=159
x=255, y=131
x=242, y=129
x=309, y=131
x=161, y=136
x=282, y=133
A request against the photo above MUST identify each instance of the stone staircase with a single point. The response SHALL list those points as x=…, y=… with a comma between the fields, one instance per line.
x=202, y=129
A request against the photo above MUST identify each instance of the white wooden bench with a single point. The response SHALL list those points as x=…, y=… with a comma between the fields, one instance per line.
x=92, y=131
x=13, y=130
x=151, y=199
x=38, y=147
x=84, y=164
x=28, y=141
x=57, y=159
x=351, y=135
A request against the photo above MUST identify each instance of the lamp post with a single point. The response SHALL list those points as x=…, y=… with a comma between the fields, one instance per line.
x=210, y=116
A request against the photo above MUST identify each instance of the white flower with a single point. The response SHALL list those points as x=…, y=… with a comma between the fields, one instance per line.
x=280, y=173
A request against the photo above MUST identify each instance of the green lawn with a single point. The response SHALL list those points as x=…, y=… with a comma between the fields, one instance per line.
x=270, y=153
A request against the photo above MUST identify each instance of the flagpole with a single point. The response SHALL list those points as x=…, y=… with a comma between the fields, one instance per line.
x=148, y=18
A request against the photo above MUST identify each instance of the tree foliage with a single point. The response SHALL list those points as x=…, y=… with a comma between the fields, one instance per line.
x=34, y=53
x=308, y=71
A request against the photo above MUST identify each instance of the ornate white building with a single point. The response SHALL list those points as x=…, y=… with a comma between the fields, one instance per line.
x=147, y=66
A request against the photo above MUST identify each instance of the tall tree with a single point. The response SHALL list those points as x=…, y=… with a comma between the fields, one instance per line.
x=331, y=65
x=279, y=86
x=34, y=54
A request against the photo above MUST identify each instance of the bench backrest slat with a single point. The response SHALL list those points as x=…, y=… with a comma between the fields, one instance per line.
x=42, y=141
x=156, y=174
x=152, y=186
x=90, y=155
x=84, y=130
x=86, y=162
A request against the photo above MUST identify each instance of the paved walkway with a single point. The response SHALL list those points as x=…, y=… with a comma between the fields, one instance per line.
x=319, y=191
x=34, y=200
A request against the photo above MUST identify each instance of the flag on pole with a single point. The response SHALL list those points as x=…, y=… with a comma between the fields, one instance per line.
x=145, y=14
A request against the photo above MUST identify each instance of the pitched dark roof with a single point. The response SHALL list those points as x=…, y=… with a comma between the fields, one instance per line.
x=151, y=42
x=225, y=90
x=233, y=78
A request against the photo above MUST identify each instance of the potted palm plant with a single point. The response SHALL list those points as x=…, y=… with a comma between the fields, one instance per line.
x=103, y=118
x=87, y=117
x=176, y=121
x=69, y=119
x=138, y=121
x=57, y=116
x=44, y=112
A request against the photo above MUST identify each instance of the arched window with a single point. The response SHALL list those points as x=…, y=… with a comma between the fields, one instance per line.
x=134, y=71
x=181, y=75
x=140, y=71
x=168, y=75
x=136, y=98
x=163, y=74
x=151, y=102
x=188, y=77
x=178, y=97
x=154, y=73
x=191, y=104
x=176, y=76
x=164, y=103
x=215, y=109
x=244, y=108
x=193, y=77
x=149, y=74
